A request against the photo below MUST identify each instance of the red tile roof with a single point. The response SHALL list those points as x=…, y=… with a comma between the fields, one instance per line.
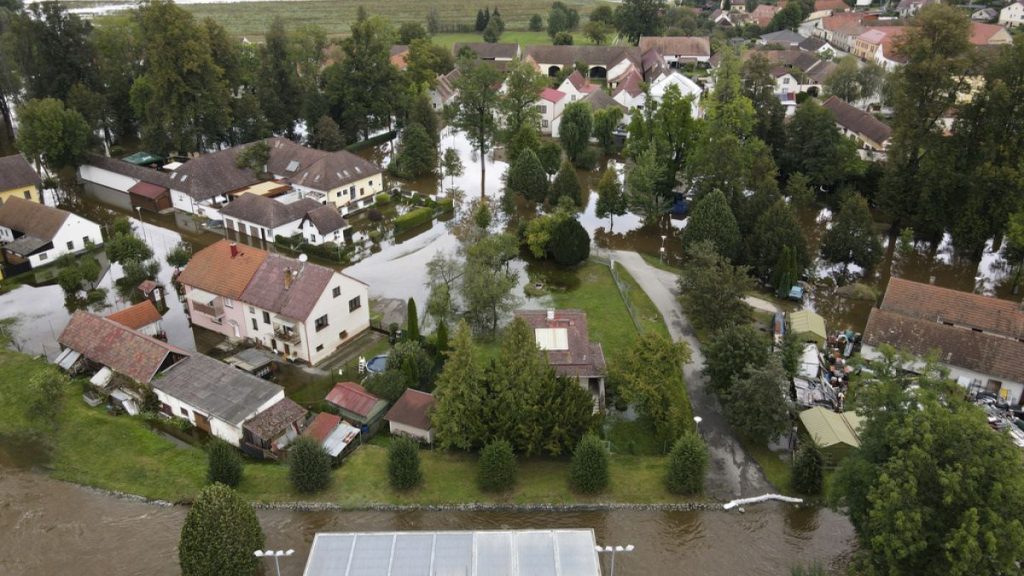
x=942, y=305
x=353, y=398
x=582, y=358
x=322, y=426
x=276, y=420
x=142, y=314
x=412, y=409
x=551, y=95
x=683, y=46
x=117, y=347
x=147, y=190
x=214, y=269
x=835, y=5
x=981, y=33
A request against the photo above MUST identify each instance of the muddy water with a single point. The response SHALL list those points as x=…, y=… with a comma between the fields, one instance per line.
x=51, y=527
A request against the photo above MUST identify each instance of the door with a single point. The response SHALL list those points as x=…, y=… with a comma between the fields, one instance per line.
x=202, y=422
x=234, y=328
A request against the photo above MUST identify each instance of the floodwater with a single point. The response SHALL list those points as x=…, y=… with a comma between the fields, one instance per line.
x=52, y=527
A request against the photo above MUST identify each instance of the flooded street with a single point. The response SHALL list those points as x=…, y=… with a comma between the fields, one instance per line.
x=51, y=527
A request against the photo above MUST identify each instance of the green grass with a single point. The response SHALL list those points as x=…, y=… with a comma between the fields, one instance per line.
x=335, y=16
x=521, y=37
x=646, y=312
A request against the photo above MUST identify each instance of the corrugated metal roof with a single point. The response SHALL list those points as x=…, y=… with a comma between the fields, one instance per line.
x=470, y=553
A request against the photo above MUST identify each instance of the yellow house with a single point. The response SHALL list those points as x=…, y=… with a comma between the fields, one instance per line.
x=18, y=179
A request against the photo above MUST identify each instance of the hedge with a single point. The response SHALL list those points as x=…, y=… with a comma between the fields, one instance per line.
x=413, y=218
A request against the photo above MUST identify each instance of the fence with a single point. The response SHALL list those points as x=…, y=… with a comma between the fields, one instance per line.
x=623, y=288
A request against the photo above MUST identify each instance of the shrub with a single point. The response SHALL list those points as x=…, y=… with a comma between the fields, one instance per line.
x=309, y=466
x=445, y=205
x=220, y=533
x=687, y=463
x=570, y=243
x=588, y=473
x=383, y=199
x=496, y=470
x=808, y=469
x=562, y=39
x=413, y=218
x=375, y=236
x=223, y=464
x=404, y=464
x=536, y=23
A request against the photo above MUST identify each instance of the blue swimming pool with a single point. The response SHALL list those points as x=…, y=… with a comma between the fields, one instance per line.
x=377, y=364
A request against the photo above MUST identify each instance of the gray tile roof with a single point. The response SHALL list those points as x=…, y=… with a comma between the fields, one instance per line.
x=16, y=172
x=141, y=173
x=268, y=212
x=267, y=288
x=31, y=218
x=858, y=121
x=606, y=56
x=326, y=219
x=216, y=388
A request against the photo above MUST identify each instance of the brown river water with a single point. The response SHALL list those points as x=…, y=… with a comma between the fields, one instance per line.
x=51, y=527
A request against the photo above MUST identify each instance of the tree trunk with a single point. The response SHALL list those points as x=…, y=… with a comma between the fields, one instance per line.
x=483, y=171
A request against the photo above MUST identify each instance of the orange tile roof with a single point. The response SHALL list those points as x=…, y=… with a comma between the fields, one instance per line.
x=982, y=33
x=142, y=314
x=214, y=269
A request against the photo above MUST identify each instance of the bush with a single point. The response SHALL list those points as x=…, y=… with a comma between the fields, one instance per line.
x=383, y=199
x=808, y=470
x=220, y=533
x=496, y=470
x=309, y=466
x=562, y=39
x=413, y=218
x=445, y=205
x=588, y=473
x=536, y=23
x=570, y=243
x=687, y=463
x=223, y=464
x=404, y=464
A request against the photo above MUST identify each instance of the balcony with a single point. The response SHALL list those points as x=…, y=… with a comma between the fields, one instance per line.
x=287, y=334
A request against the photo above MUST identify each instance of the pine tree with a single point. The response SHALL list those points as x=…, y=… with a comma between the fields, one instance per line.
x=574, y=132
x=496, y=470
x=404, y=464
x=220, y=533
x=526, y=176
x=808, y=470
x=412, y=321
x=713, y=220
x=417, y=154
x=309, y=465
x=458, y=417
x=852, y=238
x=588, y=472
x=776, y=228
x=223, y=464
x=481, y=21
x=566, y=185
x=611, y=202
x=525, y=138
x=570, y=243
x=441, y=337
x=687, y=464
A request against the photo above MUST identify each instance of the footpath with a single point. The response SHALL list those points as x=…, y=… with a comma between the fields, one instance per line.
x=731, y=472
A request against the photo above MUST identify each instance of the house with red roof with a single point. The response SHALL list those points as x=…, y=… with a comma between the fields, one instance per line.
x=300, y=310
x=550, y=105
x=989, y=35
x=562, y=337
x=356, y=405
x=142, y=317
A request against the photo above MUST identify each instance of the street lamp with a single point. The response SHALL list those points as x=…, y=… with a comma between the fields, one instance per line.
x=614, y=550
x=662, y=250
x=696, y=421
x=276, y=555
x=142, y=227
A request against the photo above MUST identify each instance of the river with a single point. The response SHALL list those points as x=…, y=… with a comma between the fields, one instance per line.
x=52, y=528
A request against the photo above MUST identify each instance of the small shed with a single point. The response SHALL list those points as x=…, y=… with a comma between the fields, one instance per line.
x=836, y=434
x=808, y=327
x=356, y=405
x=410, y=416
x=270, y=432
x=150, y=197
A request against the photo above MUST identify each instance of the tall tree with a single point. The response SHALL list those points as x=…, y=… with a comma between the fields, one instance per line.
x=642, y=188
x=562, y=19
x=611, y=202
x=938, y=66
x=417, y=154
x=52, y=50
x=756, y=403
x=574, y=133
x=776, y=228
x=326, y=135
x=526, y=177
x=844, y=81
x=712, y=220
x=650, y=378
x=566, y=185
x=181, y=99
x=712, y=289
x=474, y=110
x=458, y=417
x=277, y=85
x=51, y=134
x=426, y=61
x=523, y=84
x=636, y=18
x=919, y=502
x=815, y=147
x=759, y=87
x=119, y=61
x=219, y=535
x=526, y=138
x=733, y=351
x=487, y=284
x=852, y=238
x=370, y=87
x=606, y=121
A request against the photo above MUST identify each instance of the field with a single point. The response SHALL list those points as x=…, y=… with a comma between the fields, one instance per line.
x=252, y=19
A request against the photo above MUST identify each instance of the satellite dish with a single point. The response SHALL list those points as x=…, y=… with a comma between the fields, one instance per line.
x=303, y=257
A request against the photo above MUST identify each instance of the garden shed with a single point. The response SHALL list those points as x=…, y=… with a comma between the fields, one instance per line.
x=808, y=327
x=836, y=434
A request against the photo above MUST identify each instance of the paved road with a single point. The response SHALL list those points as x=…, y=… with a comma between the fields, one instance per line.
x=732, y=474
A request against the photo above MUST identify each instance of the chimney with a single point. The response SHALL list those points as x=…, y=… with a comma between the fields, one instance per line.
x=287, y=278
x=551, y=316
x=234, y=249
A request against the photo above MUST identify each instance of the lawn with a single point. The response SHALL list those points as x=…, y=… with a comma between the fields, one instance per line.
x=334, y=16
x=521, y=37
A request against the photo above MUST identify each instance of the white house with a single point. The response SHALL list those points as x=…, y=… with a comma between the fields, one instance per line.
x=550, y=106
x=32, y=234
x=410, y=416
x=266, y=218
x=143, y=317
x=679, y=49
x=1012, y=15
x=324, y=224
x=298, y=309
x=214, y=397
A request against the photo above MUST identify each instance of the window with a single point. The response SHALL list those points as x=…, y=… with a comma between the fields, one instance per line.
x=336, y=292
x=229, y=303
x=28, y=194
x=354, y=304
x=266, y=317
x=184, y=412
x=86, y=241
x=544, y=123
x=542, y=109
x=252, y=310
x=321, y=323
x=255, y=326
x=71, y=244
x=320, y=348
x=43, y=256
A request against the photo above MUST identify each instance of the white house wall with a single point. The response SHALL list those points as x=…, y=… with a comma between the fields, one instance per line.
x=230, y=433
x=105, y=177
x=69, y=239
x=339, y=318
x=417, y=433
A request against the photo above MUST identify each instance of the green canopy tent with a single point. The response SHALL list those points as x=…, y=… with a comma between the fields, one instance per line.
x=808, y=327
x=835, y=434
x=143, y=159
